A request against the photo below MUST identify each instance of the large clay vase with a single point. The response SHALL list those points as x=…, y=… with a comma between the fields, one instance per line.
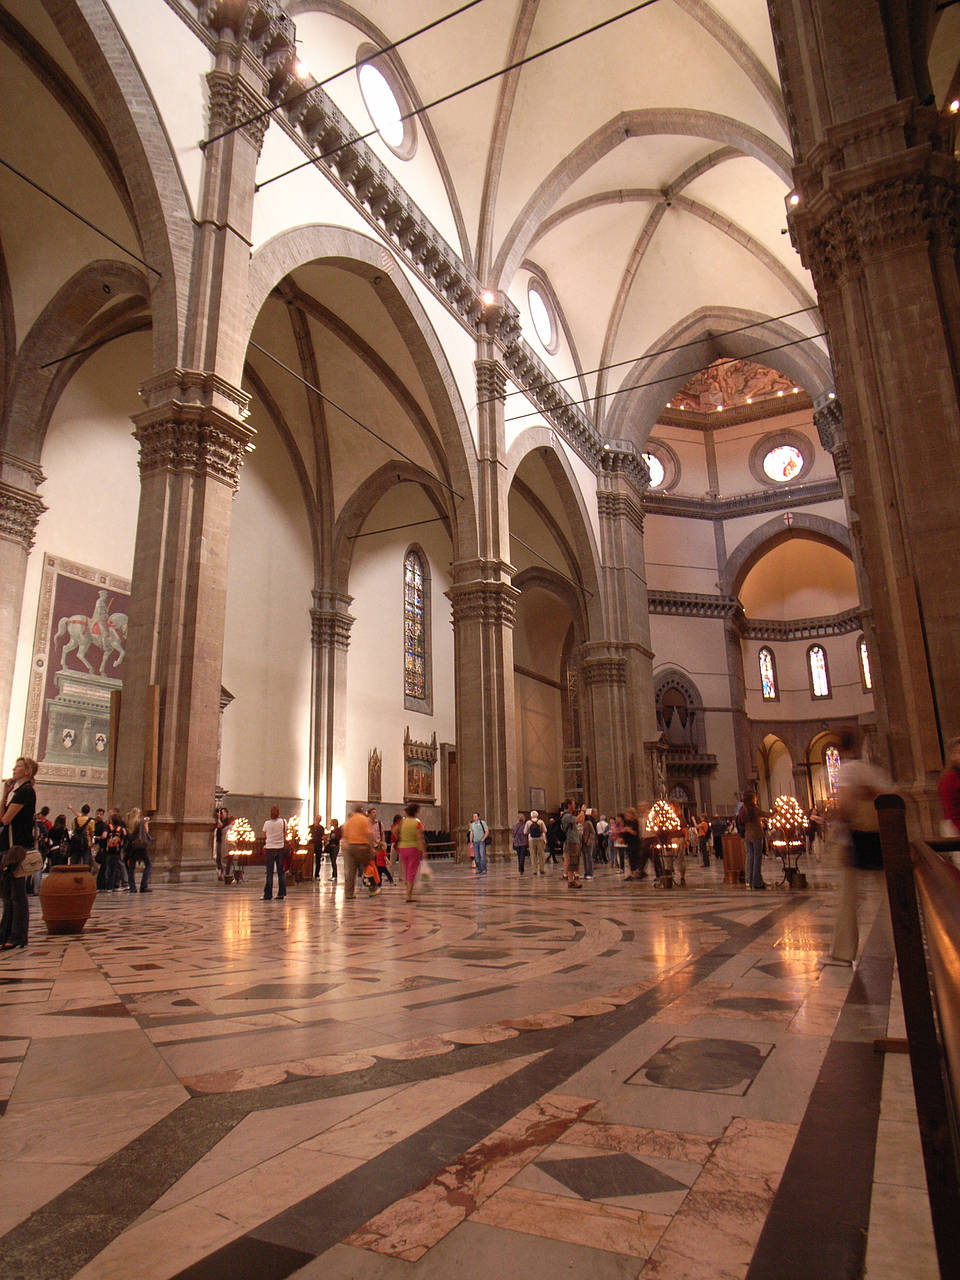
x=67, y=895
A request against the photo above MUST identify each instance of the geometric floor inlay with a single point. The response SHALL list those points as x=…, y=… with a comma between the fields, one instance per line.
x=703, y=1065
x=605, y=1177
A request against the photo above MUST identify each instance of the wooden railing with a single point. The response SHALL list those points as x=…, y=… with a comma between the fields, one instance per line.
x=924, y=894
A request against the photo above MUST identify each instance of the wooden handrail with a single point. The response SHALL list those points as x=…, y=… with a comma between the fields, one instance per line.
x=918, y=879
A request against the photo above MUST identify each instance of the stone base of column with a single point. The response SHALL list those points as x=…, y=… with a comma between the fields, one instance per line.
x=182, y=852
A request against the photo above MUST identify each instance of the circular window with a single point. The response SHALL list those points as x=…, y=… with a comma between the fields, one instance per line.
x=783, y=463
x=655, y=467
x=386, y=103
x=543, y=316
x=781, y=457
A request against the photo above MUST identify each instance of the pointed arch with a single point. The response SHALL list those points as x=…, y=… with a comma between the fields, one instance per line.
x=769, y=535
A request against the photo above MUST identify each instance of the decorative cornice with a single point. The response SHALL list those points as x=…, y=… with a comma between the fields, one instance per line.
x=603, y=671
x=621, y=457
x=261, y=24
x=491, y=380
x=553, y=400
x=688, y=762
x=19, y=515
x=713, y=508
x=426, y=752
x=178, y=438
x=691, y=604
x=194, y=387
x=836, y=624
x=232, y=100
x=485, y=602
x=736, y=415
x=330, y=628
x=619, y=506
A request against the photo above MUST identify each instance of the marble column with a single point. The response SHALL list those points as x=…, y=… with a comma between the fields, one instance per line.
x=624, y=775
x=330, y=624
x=605, y=711
x=193, y=440
x=20, y=509
x=876, y=222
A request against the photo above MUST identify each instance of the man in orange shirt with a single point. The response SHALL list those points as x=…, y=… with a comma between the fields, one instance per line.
x=357, y=846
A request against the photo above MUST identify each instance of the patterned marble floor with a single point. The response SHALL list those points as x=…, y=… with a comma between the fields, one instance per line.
x=503, y=1077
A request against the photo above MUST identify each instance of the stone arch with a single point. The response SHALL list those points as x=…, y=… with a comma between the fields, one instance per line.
x=691, y=730
x=352, y=251
x=74, y=317
x=769, y=535
x=701, y=338
x=549, y=580
x=639, y=123
x=162, y=211
x=543, y=440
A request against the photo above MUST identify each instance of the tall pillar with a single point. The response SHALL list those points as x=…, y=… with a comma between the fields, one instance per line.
x=621, y=685
x=876, y=223
x=193, y=439
x=733, y=630
x=484, y=607
x=20, y=509
x=330, y=624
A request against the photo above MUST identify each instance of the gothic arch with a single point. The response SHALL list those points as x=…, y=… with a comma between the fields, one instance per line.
x=676, y=682
x=549, y=580
x=706, y=335
x=769, y=535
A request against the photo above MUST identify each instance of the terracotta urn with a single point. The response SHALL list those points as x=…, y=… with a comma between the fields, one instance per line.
x=66, y=898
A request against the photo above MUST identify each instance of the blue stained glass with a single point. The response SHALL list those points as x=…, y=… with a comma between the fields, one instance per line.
x=768, y=677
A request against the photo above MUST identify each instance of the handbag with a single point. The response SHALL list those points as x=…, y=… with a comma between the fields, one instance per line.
x=30, y=864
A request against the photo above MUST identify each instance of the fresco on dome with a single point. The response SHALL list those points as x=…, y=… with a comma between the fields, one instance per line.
x=726, y=384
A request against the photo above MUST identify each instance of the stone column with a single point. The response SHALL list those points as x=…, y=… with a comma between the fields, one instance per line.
x=606, y=716
x=878, y=224
x=192, y=442
x=20, y=509
x=330, y=624
x=623, y=774
x=733, y=630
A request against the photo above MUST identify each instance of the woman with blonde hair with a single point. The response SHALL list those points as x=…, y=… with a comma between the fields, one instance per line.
x=138, y=850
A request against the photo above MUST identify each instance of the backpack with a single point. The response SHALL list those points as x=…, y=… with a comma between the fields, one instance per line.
x=79, y=845
x=536, y=831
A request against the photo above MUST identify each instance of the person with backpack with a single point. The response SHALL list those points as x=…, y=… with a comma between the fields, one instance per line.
x=479, y=831
x=114, y=843
x=139, y=841
x=536, y=832
x=81, y=837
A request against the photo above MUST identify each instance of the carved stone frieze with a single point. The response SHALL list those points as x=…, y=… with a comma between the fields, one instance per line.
x=330, y=628
x=19, y=514
x=182, y=438
x=692, y=604
x=491, y=380
x=232, y=101
x=619, y=506
x=837, y=624
x=493, y=603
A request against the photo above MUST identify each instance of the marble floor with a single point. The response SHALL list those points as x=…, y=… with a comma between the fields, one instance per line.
x=502, y=1078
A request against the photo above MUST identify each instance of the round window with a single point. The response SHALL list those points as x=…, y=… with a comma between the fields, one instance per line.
x=783, y=463
x=542, y=315
x=387, y=104
x=655, y=467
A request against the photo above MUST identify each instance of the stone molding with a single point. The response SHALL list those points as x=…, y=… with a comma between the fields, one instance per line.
x=232, y=100
x=709, y=507
x=553, y=400
x=491, y=381
x=603, y=671
x=621, y=457
x=836, y=624
x=20, y=513
x=330, y=628
x=485, y=602
x=691, y=604
x=620, y=506
x=192, y=438
x=194, y=387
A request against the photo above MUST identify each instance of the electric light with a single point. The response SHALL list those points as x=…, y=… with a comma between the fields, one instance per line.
x=955, y=106
x=794, y=198
x=488, y=298
x=301, y=70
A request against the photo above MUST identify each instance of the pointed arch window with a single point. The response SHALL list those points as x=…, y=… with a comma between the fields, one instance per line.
x=417, y=684
x=831, y=762
x=768, y=675
x=817, y=671
x=866, y=679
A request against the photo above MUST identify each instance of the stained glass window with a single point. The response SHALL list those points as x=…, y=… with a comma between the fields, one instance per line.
x=414, y=630
x=783, y=463
x=655, y=467
x=819, y=680
x=768, y=676
x=865, y=675
x=831, y=759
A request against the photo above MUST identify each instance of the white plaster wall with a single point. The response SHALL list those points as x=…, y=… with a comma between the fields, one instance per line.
x=680, y=554
x=92, y=489
x=267, y=655
x=377, y=716
x=690, y=449
x=735, y=443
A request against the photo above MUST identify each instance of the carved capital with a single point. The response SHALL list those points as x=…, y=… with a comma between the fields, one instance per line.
x=606, y=670
x=19, y=514
x=231, y=101
x=489, y=603
x=261, y=24
x=181, y=438
x=828, y=419
x=330, y=628
x=620, y=457
x=491, y=380
x=500, y=320
x=620, y=506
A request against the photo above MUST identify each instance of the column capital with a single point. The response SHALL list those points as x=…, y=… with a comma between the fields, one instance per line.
x=19, y=513
x=499, y=320
x=484, y=601
x=330, y=623
x=491, y=380
x=623, y=458
x=179, y=438
x=233, y=100
x=828, y=419
x=600, y=663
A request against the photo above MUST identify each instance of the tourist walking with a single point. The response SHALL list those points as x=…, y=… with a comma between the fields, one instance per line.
x=358, y=838
x=479, y=831
x=274, y=847
x=411, y=846
x=572, y=836
x=334, y=836
x=588, y=841
x=520, y=841
x=536, y=831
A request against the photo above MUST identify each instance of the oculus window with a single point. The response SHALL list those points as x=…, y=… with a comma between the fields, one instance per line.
x=663, y=465
x=817, y=670
x=783, y=463
x=417, y=691
x=386, y=102
x=768, y=675
x=543, y=316
x=781, y=457
x=656, y=468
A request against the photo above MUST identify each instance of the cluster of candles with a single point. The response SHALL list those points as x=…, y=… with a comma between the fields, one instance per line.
x=242, y=837
x=663, y=822
x=787, y=822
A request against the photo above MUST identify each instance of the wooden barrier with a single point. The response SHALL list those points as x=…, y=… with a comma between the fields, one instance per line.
x=924, y=895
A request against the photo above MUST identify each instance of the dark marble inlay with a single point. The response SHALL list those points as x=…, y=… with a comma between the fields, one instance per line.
x=280, y=991
x=467, y=995
x=703, y=1065
x=145, y=966
x=788, y=968
x=251, y=1257
x=94, y=1011
x=755, y=1004
x=608, y=1177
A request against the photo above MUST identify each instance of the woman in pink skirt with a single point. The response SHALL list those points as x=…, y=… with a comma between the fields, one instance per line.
x=411, y=846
